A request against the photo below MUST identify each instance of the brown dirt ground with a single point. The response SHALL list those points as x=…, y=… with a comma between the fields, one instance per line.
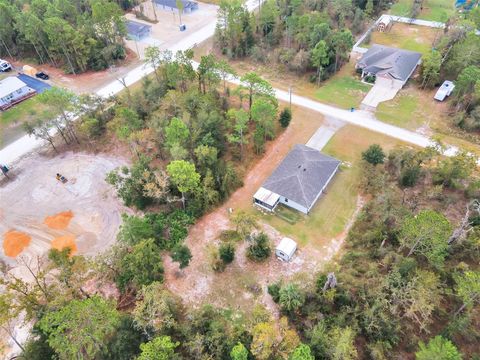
x=14, y=242
x=86, y=82
x=59, y=221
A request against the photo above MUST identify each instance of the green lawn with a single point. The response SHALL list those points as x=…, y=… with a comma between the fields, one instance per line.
x=342, y=90
x=18, y=114
x=434, y=10
x=400, y=111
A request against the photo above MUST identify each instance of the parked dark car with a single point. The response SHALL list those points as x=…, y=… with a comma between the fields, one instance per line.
x=42, y=75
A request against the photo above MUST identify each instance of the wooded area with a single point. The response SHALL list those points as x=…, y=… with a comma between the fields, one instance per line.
x=75, y=35
x=406, y=283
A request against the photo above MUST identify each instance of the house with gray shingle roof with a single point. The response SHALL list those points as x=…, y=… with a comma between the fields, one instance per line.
x=388, y=62
x=299, y=180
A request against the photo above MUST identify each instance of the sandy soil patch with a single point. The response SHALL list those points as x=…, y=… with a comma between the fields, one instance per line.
x=84, y=213
x=65, y=241
x=14, y=242
x=59, y=221
x=166, y=33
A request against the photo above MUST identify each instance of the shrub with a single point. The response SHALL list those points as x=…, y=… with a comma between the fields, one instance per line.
x=291, y=298
x=274, y=291
x=227, y=252
x=215, y=261
x=374, y=155
x=259, y=248
x=285, y=117
x=409, y=176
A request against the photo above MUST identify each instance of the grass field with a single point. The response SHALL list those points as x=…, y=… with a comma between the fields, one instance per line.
x=343, y=90
x=12, y=119
x=434, y=10
x=401, y=111
x=335, y=208
x=408, y=37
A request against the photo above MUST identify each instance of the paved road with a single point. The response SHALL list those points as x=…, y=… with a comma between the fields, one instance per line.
x=359, y=118
x=26, y=144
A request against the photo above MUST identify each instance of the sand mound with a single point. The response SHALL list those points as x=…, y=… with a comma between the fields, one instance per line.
x=14, y=242
x=59, y=221
x=65, y=241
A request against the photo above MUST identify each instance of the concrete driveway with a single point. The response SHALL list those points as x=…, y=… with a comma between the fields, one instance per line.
x=383, y=90
x=324, y=133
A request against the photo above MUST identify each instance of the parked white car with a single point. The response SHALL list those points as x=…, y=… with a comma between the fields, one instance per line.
x=444, y=90
x=5, y=66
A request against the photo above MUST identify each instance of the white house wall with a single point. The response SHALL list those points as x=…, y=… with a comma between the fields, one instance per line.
x=293, y=204
x=17, y=94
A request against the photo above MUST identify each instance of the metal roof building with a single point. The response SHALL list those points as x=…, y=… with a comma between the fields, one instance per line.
x=298, y=181
x=137, y=30
x=285, y=250
x=188, y=6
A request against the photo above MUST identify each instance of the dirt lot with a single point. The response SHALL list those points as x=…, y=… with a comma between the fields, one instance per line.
x=87, y=82
x=165, y=33
x=38, y=212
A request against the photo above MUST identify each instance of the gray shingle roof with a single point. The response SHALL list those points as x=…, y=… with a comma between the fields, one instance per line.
x=384, y=60
x=302, y=175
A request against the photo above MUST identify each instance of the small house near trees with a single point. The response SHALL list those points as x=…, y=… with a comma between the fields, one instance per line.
x=299, y=180
x=12, y=91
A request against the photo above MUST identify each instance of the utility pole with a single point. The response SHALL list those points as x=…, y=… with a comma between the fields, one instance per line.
x=290, y=96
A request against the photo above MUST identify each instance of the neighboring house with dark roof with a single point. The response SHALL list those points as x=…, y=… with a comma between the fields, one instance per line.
x=137, y=30
x=298, y=181
x=12, y=91
x=389, y=63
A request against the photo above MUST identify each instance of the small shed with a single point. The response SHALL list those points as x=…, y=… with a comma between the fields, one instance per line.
x=444, y=90
x=384, y=24
x=285, y=250
x=137, y=30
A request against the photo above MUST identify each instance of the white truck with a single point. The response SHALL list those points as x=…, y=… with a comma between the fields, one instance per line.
x=5, y=66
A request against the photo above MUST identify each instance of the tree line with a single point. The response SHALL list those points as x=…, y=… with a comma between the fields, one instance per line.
x=312, y=37
x=75, y=35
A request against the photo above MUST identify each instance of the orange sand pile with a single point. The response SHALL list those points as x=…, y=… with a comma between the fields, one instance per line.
x=59, y=221
x=14, y=242
x=65, y=241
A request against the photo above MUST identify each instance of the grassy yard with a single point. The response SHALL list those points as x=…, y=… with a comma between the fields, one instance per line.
x=434, y=10
x=332, y=212
x=17, y=115
x=343, y=90
x=401, y=111
x=408, y=37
